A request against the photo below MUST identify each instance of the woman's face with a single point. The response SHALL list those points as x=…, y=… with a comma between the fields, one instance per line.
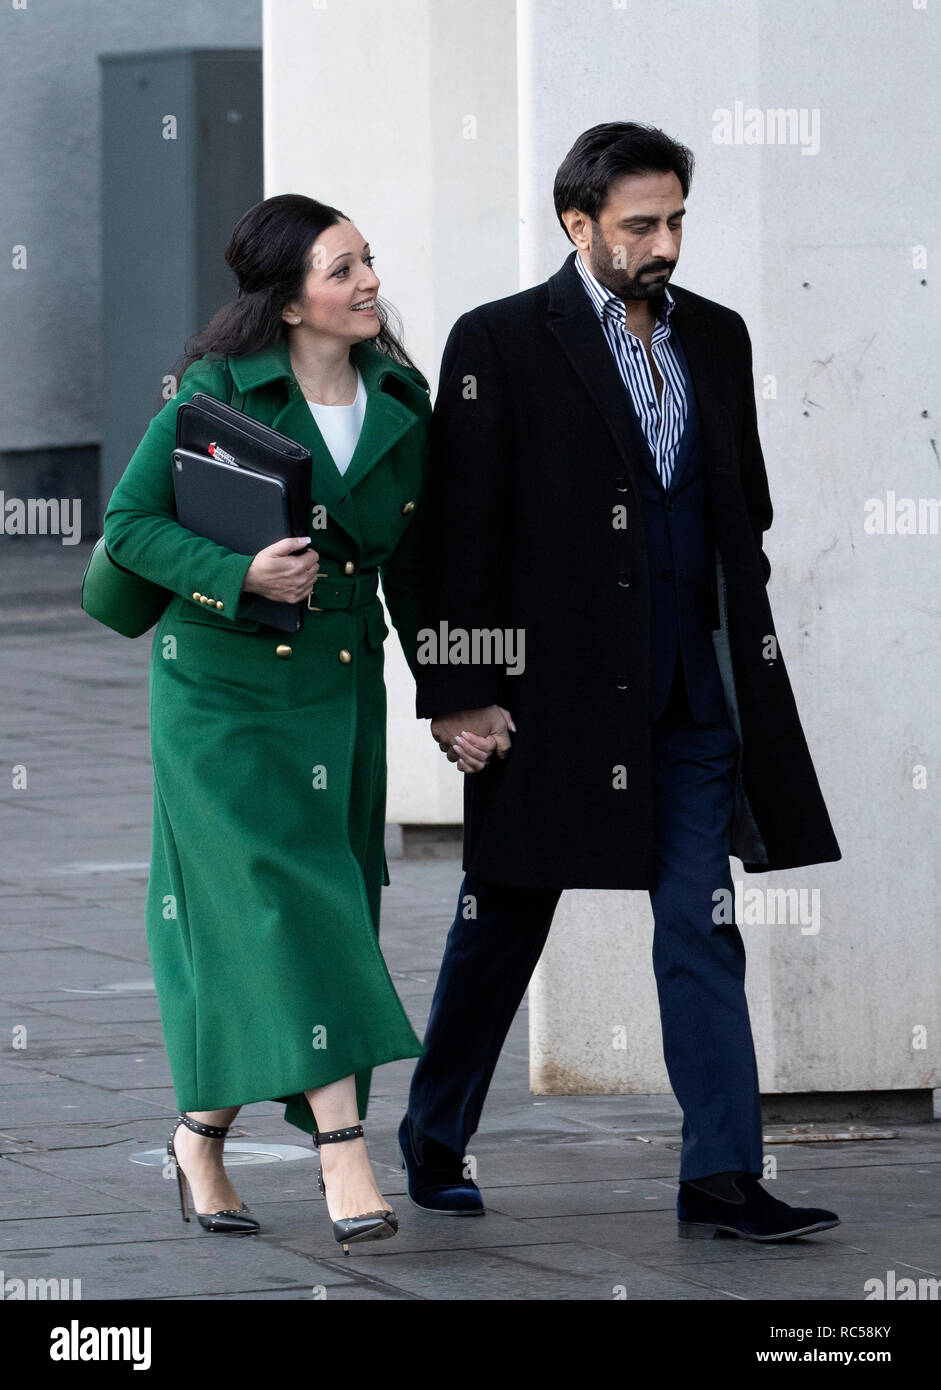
x=338, y=297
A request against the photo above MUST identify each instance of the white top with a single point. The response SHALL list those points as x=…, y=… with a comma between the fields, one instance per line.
x=340, y=425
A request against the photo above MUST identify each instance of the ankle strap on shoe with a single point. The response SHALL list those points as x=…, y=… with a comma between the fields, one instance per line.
x=208, y=1131
x=336, y=1136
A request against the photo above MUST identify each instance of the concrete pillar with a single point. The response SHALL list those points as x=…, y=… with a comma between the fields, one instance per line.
x=404, y=116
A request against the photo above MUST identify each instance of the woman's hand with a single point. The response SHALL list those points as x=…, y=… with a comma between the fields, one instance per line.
x=474, y=751
x=277, y=572
x=471, y=737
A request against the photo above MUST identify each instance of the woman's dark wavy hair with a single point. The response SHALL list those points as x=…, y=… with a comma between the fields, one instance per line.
x=269, y=255
x=604, y=153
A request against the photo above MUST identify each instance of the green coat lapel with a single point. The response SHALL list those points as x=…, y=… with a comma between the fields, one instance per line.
x=386, y=420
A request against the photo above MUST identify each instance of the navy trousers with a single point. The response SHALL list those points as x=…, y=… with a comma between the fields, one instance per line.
x=699, y=967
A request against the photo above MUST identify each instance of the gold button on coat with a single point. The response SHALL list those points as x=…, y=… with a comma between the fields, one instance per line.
x=345, y=656
x=197, y=597
x=282, y=650
x=349, y=567
x=409, y=507
x=219, y=603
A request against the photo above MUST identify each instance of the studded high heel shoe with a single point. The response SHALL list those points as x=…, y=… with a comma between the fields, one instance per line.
x=229, y=1223
x=372, y=1225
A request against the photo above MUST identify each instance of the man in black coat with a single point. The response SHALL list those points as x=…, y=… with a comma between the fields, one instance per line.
x=596, y=588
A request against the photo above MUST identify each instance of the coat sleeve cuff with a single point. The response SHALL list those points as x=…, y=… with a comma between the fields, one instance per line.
x=222, y=588
x=473, y=690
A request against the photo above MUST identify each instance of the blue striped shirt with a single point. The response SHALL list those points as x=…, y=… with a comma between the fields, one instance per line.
x=662, y=427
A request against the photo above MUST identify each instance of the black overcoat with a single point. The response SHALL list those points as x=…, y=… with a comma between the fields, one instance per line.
x=532, y=451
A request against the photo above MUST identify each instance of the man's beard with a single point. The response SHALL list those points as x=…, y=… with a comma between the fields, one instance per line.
x=625, y=285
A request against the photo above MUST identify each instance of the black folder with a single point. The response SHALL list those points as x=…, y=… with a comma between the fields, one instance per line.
x=243, y=485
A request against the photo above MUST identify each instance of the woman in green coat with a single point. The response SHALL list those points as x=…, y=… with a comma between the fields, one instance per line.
x=269, y=750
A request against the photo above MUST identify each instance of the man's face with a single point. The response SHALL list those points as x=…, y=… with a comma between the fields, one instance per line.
x=634, y=246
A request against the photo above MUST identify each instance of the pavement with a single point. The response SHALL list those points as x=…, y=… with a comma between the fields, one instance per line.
x=580, y=1190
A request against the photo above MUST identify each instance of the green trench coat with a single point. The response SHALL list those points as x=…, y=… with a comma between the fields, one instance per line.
x=269, y=755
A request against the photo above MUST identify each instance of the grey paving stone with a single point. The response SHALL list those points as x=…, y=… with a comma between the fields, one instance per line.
x=354, y=1291
x=62, y=969
x=117, y=1009
x=135, y=1069
x=819, y=1274
x=650, y=1237
x=106, y=1169
x=557, y=1272
x=557, y=1163
x=28, y=1193
x=14, y=1073
x=102, y=1042
x=914, y=1144
x=306, y=1227
x=554, y=1201
x=46, y=1033
x=180, y=1268
x=124, y=942
x=915, y=1243
x=62, y=1101
x=57, y=1231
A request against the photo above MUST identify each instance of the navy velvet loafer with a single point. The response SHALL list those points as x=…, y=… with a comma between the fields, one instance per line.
x=736, y=1204
x=436, y=1180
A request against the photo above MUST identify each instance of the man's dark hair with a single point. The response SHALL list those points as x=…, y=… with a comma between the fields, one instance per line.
x=605, y=153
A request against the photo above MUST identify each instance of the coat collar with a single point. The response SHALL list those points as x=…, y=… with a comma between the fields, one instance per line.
x=575, y=324
x=259, y=368
x=387, y=418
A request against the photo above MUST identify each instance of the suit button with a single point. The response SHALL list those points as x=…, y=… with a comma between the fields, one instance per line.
x=669, y=504
x=621, y=683
x=345, y=656
x=349, y=567
x=409, y=507
x=196, y=598
x=624, y=580
x=621, y=483
x=282, y=650
x=204, y=599
x=668, y=574
x=219, y=603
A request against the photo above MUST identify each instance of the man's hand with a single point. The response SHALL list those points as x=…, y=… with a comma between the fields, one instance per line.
x=471, y=737
x=278, y=572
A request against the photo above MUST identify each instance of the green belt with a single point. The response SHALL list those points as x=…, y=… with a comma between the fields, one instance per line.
x=344, y=591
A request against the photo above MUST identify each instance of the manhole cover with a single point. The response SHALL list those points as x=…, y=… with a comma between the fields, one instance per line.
x=237, y=1153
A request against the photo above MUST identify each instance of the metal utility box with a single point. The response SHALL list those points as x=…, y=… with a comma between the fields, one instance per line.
x=181, y=162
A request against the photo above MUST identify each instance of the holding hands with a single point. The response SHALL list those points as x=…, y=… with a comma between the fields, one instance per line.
x=471, y=737
x=287, y=573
